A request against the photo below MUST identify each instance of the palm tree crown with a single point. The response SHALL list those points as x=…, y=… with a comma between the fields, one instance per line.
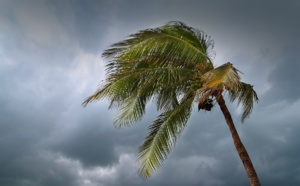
x=171, y=65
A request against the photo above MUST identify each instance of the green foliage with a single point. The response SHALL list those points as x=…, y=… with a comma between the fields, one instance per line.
x=172, y=66
x=162, y=136
x=224, y=75
x=245, y=95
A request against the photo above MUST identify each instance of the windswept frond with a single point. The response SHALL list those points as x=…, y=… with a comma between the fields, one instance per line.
x=166, y=99
x=166, y=58
x=174, y=44
x=223, y=76
x=246, y=96
x=98, y=95
x=131, y=91
x=226, y=77
x=132, y=109
x=214, y=82
x=162, y=136
x=115, y=89
x=149, y=82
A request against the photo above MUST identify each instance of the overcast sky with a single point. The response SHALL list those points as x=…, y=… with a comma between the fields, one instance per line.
x=50, y=61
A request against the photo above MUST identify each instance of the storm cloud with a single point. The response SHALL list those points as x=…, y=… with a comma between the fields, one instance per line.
x=50, y=61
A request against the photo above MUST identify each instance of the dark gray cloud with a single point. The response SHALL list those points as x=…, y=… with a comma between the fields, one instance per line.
x=84, y=18
x=284, y=85
x=50, y=62
x=87, y=141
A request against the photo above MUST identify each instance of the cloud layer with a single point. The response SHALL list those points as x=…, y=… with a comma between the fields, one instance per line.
x=50, y=61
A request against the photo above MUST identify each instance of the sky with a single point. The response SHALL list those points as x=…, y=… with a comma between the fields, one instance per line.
x=50, y=61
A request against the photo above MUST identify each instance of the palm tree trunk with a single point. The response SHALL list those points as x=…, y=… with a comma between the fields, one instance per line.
x=253, y=178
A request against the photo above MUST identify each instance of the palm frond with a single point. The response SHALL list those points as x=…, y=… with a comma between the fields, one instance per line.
x=166, y=57
x=246, y=96
x=166, y=99
x=223, y=76
x=149, y=82
x=98, y=95
x=131, y=109
x=214, y=82
x=162, y=136
x=131, y=91
x=115, y=89
x=174, y=44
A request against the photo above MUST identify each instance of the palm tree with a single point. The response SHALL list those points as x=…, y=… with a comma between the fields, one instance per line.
x=171, y=65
